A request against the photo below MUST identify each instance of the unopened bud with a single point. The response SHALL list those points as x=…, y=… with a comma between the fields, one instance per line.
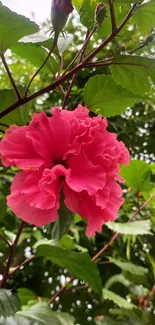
x=59, y=13
x=100, y=13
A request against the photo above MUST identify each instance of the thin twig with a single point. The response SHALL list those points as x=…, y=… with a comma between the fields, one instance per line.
x=57, y=294
x=65, y=77
x=61, y=66
x=87, y=39
x=104, y=262
x=12, y=250
x=105, y=248
x=142, y=207
x=10, y=76
x=111, y=241
x=5, y=240
x=68, y=91
x=5, y=125
x=150, y=297
x=113, y=17
x=81, y=53
x=111, y=36
x=22, y=264
x=98, y=64
x=43, y=64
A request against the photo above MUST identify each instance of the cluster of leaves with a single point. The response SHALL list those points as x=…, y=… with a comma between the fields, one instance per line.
x=117, y=287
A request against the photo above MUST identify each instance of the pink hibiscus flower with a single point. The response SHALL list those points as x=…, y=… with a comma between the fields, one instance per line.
x=69, y=152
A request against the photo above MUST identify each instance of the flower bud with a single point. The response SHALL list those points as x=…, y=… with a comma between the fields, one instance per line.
x=100, y=13
x=59, y=13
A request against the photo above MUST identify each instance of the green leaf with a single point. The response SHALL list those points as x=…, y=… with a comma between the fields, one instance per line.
x=42, y=314
x=103, y=96
x=144, y=16
x=65, y=319
x=129, y=267
x=121, y=10
x=87, y=12
x=7, y=98
x=67, y=242
x=25, y=295
x=137, y=175
x=36, y=54
x=142, y=227
x=79, y=265
x=61, y=226
x=77, y=4
x=18, y=116
x=133, y=72
x=9, y=303
x=3, y=207
x=13, y=27
x=152, y=167
x=137, y=290
x=121, y=302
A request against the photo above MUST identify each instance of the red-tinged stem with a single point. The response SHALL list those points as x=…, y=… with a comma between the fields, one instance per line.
x=5, y=240
x=65, y=77
x=57, y=294
x=113, y=18
x=105, y=248
x=104, y=262
x=10, y=76
x=5, y=125
x=150, y=297
x=111, y=241
x=88, y=37
x=61, y=66
x=111, y=36
x=41, y=67
x=82, y=51
x=142, y=207
x=12, y=250
x=22, y=264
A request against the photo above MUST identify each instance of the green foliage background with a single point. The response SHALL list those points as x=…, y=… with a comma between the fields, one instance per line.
x=119, y=291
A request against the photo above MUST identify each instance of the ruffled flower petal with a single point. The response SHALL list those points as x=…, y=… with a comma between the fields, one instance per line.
x=16, y=149
x=19, y=203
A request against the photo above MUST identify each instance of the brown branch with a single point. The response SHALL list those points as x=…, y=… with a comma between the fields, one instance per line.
x=5, y=240
x=113, y=18
x=88, y=37
x=43, y=64
x=65, y=77
x=5, y=125
x=81, y=52
x=111, y=241
x=104, y=262
x=22, y=264
x=57, y=294
x=150, y=297
x=61, y=66
x=111, y=36
x=10, y=76
x=142, y=207
x=12, y=250
x=106, y=247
